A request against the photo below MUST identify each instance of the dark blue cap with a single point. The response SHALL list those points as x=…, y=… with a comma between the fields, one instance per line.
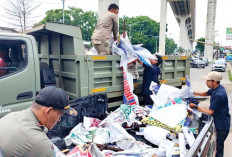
x=55, y=97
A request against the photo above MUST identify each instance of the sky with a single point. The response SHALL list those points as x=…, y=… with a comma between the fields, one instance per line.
x=150, y=8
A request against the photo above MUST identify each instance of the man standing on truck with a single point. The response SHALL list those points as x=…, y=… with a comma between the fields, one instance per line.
x=103, y=30
x=23, y=133
x=218, y=108
x=150, y=73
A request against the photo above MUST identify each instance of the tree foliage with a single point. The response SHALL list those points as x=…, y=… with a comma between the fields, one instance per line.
x=181, y=50
x=170, y=46
x=73, y=16
x=200, y=46
x=143, y=29
x=20, y=13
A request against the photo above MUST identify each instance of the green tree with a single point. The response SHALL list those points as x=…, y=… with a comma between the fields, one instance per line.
x=86, y=20
x=180, y=50
x=143, y=31
x=56, y=16
x=170, y=46
x=74, y=16
x=200, y=46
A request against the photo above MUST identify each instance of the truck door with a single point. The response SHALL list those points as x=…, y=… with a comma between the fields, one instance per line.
x=17, y=73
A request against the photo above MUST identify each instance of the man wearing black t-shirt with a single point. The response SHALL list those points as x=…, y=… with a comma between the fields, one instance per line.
x=218, y=108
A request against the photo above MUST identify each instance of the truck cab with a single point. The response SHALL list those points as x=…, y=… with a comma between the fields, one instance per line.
x=18, y=72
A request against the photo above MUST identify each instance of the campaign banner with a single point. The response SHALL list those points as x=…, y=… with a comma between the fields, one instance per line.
x=128, y=97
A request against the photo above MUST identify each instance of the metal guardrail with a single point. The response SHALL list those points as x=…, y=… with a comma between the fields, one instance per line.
x=196, y=148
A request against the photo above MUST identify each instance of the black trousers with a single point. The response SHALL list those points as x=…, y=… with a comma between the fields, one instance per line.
x=147, y=100
x=221, y=137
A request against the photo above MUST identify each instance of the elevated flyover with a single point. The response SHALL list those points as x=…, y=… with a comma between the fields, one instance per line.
x=184, y=11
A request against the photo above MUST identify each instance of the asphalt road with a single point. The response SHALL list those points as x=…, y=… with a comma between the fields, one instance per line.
x=199, y=85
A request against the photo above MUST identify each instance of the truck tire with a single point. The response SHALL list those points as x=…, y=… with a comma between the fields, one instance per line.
x=47, y=76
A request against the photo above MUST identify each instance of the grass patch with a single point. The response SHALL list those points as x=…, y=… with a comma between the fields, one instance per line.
x=230, y=76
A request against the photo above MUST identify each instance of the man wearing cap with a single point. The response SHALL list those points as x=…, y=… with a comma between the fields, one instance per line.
x=23, y=133
x=218, y=108
x=150, y=74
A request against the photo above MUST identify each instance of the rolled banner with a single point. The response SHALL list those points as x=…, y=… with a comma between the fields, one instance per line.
x=182, y=145
x=188, y=136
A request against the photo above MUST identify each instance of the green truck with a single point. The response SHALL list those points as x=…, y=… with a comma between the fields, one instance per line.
x=60, y=48
x=32, y=58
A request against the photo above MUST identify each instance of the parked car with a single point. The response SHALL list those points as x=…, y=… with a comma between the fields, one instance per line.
x=219, y=65
x=224, y=60
x=197, y=63
x=205, y=60
x=194, y=57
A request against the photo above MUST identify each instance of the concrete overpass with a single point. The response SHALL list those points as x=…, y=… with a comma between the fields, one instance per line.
x=184, y=11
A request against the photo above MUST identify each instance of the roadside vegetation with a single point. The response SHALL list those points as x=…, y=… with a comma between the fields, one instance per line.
x=230, y=76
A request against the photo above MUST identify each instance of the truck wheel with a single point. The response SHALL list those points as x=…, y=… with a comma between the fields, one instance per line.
x=47, y=76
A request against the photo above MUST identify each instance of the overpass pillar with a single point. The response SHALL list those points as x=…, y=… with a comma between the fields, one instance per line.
x=210, y=27
x=104, y=4
x=163, y=17
x=184, y=40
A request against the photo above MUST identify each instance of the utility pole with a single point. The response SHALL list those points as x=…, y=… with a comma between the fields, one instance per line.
x=130, y=31
x=63, y=10
x=210, y=29
x=156, y=37
x=156, y=44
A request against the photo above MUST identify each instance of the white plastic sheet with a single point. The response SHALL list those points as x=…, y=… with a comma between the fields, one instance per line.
x=118, y=133
x=124, y=58
x=115, y=117
x=113, y=123
x=171, y=115
x=92, y=52
x=80, y=135
x=187, y=92
x=165, y=94
x=91, y=123
x=85, y=150
x=155, y=134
